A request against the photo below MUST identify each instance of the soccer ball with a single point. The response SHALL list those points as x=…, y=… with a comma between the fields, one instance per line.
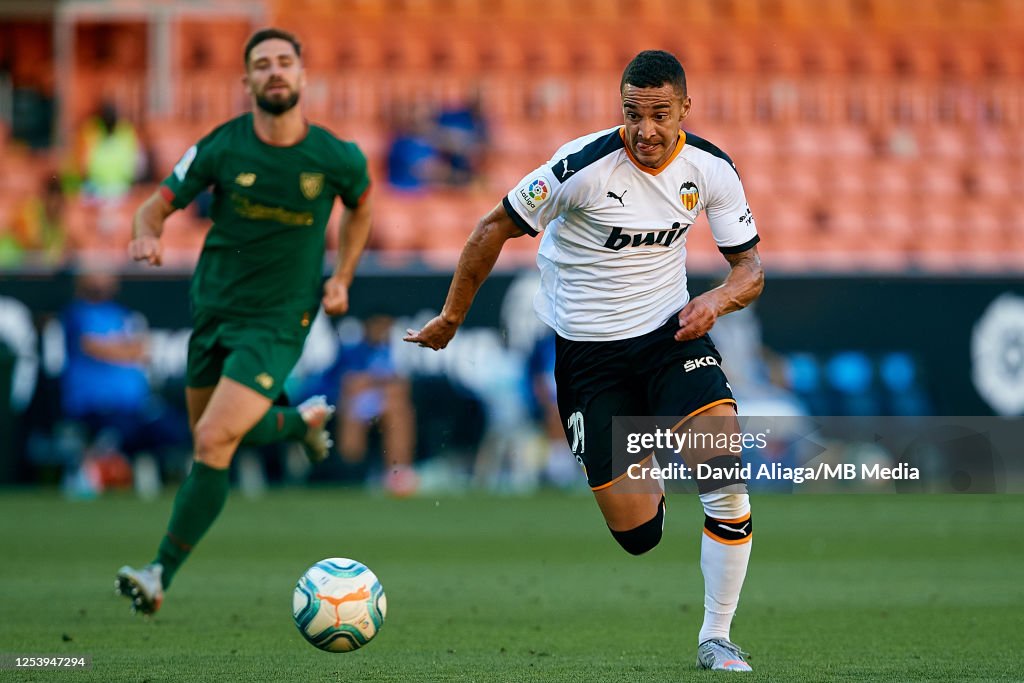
x=339, y=605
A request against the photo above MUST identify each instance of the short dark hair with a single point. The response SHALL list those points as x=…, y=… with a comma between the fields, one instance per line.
x=271, y=34
x=653, y=69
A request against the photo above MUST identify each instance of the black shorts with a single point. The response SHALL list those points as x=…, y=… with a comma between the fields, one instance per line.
x=648, y=375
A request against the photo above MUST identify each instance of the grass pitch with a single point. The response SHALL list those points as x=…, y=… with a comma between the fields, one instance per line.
x=841, y=588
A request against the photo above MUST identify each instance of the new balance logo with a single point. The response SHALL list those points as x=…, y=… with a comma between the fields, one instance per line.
x=742, y=531
x=612, y=195
x=619, y=239
x=694, y=363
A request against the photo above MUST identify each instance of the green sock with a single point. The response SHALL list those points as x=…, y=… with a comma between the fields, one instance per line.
x=200, y=499
x=279, y=424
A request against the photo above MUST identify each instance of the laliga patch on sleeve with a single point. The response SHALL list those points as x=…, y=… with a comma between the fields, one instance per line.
x=534, y=193
x=181, y=168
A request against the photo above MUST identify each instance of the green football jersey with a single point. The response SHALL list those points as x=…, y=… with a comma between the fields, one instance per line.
x=264, y=254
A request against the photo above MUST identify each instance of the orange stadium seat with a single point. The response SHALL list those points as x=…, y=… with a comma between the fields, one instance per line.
x=846, y=181
x=945, y=144
x=497, y=50
x=848, y=142
x=350, y=98
x=1001, y=58
x=354, y=50
x=891, y=178
x=168, y=142
x=938, y=182
x=935, y=244
x=461, y=11
x=842, y=14
x=993, y=181
x=821, y=55
x=795, y=180
x=404, y=51
x=396, y=224
x=744, y=144
x=1015, y=171
x=991, y=142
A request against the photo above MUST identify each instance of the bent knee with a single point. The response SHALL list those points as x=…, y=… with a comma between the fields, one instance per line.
x=214, y=442
x=647, y=536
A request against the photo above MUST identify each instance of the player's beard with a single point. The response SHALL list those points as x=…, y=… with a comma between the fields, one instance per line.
x=277, y=107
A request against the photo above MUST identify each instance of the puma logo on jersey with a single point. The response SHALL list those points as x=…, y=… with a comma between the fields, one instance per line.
x=566, y=171
x=612, y=195
x=619, y=239
x=742, y=530
x=695, y=363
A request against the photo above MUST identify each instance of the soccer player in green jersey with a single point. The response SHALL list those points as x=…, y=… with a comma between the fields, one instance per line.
x=257, y=286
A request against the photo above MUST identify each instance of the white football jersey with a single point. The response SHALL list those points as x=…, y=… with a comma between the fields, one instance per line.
x=613, y=252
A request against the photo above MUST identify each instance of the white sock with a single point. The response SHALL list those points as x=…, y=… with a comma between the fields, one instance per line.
x=724, y=564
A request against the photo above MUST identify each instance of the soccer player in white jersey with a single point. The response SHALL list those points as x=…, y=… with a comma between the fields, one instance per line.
x=614, y=209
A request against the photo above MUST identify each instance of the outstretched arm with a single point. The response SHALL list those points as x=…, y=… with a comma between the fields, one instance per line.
x=124, y=350
x=147, y=226
x=742, y=286
x=353, y=233
x=475, y=264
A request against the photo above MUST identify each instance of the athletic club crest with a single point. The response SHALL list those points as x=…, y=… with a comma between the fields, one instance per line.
x=311, y=184
x=689, y=195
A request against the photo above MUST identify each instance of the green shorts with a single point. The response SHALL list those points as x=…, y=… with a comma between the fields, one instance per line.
x=257, y=353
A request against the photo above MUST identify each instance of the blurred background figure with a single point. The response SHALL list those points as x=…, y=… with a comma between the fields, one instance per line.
x=414, y=162
x=372, y=395
x=559, y=467
x=462, y=139
x=106, y=394
x=110, y=160
x=39, y=222
x=110, y=155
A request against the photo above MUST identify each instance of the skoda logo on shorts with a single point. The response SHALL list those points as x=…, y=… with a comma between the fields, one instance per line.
x=694, y=363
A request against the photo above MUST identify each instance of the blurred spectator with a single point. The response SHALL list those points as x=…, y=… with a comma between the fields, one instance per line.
x=12, y=253
x=39, y=221
x=413, y=163
x=104, y=388
x=560, y=467
x=373, y=393
x=462, y=141
x=110, y=155
x=750, y=364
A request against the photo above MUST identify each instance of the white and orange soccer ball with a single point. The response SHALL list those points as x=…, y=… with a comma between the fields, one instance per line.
x=339, y=605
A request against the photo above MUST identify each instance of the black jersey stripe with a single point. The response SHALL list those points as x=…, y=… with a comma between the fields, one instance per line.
x=701, y=143
x=740, y=248
x=566, y=167
x=517, y=219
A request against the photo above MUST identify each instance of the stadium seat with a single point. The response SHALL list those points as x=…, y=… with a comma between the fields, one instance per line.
x=937, y=182
x=993, y=181
x=353, y=51
x=945, y=144
x=396, y=224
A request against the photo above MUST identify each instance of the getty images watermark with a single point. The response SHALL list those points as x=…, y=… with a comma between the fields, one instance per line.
x=821, y=454
x=736, y=443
